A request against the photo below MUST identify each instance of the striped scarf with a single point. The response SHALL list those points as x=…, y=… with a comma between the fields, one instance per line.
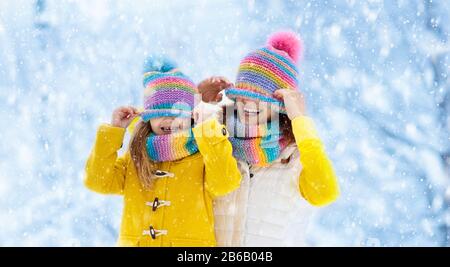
x=170, y=147
x=258, y=145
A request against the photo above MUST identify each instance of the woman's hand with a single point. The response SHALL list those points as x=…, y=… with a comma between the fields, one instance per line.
x=294, y=102
x=211, y=87
x=123, y=116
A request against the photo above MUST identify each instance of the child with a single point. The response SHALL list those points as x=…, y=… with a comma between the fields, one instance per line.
x=171, y=171
x=279, y=153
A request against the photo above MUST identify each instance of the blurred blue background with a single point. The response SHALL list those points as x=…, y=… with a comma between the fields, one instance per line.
x=375, y=74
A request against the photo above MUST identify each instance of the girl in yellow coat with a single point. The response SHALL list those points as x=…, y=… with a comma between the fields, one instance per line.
x=171, y=171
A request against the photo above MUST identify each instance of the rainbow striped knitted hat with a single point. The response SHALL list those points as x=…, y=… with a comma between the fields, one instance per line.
x=168, y=92
x=268, y=69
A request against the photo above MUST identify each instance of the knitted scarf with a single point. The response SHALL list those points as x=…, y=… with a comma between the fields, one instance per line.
x=170, y=147
x=258, y=145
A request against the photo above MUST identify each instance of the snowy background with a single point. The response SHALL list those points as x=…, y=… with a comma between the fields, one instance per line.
x=375, y=73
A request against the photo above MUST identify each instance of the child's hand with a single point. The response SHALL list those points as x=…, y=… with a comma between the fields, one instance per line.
x=123, y=116
x=211, y=87
x=294, y=102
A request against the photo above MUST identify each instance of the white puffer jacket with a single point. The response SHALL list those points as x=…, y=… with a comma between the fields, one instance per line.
x=267, y=210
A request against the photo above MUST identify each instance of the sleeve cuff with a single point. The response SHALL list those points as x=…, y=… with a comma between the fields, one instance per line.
x=110, y=136
x=211, y=131
x=304, y=129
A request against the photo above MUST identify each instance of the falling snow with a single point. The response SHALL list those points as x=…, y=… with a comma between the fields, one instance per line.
x=375, y=74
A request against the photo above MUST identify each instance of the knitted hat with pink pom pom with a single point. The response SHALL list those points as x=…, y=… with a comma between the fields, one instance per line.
x=268, y=69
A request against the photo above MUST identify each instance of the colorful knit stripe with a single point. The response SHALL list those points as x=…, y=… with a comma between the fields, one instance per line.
x=247, y=150
x=269, y=68
x=170, y=83
x=257, y=151
x=170, y=147
x=178, y=106
x=147, y=115
x=277, y=57
x=170, y=79
x=262, y=58
x=168, y=96
x=154, y=75
x=253, y=88
x=258, y=145
x=256, y=70
x=260, y=81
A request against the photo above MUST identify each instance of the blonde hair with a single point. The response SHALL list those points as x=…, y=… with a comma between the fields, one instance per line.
x=138, y=151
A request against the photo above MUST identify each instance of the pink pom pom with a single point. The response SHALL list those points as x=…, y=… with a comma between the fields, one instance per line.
x=287, y=41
